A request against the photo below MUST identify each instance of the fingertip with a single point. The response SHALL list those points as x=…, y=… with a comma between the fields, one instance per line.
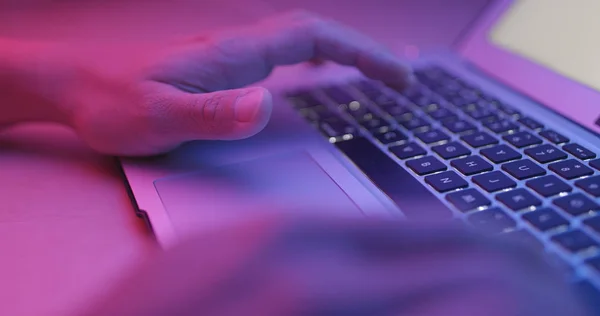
x=405, y=80
x=399, y=76
x=252, y=111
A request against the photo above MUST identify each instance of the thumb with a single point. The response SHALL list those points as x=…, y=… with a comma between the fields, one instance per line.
x=221, y=115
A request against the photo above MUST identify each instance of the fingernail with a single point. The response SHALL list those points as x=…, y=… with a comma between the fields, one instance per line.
x=248, y=106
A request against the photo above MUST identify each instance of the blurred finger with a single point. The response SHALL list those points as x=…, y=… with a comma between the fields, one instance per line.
x=234, y=59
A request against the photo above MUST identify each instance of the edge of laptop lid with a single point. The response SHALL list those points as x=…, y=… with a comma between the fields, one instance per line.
x=563, y=94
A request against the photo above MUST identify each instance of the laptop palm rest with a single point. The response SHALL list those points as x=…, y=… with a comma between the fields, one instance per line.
x=293, y=182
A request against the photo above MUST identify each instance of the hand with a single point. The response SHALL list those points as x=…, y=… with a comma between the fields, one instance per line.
x=194, y=90
x=276, y=266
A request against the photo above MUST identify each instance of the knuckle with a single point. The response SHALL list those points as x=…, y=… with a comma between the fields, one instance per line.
x=206, y=108
x=308, y=20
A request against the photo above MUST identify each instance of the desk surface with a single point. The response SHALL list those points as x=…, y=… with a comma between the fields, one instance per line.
x=67, y=227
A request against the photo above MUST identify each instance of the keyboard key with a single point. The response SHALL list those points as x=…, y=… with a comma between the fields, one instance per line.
x=500, y=154
x=396, y=182
x=576, y=204
x=375, y=124
x=472, y=165
x=458, y=126
x=493, y=220
x=339, y=95
x=432, y=136
x=479, y=139
x=545, y=219
x=446, y=181
x=418, y=94
x=451, y=150
x=490, y=119
x=522, y=139
x=590, y=185
x=554, y=137
x=467, y=200
x=468, y=95
x=570, y=169
x=481, y=113
x=426, y=165
x=458, y=101
x=304, y=99
x=574, y=241
x=494, y=181
x=431, y=107
x=408, y=150
x=336, y=127
x=415, y=123
x=579, y=151
x=545, y=153
x=318, y=113
x=501, y=126
x=442, y=114
x=549, y=185
x=359, y=111
x=403, y=116
x=595, y=164
x=400, y=113
x=518, y=199
x=530, y=123
x=391, y=136
x=593, y=223
x=508, y=110
x=425, y=101
x=523, y=169
x=525, y=238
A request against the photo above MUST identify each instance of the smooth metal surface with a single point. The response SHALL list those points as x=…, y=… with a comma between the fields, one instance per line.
x=293, y=183
x=572, y=99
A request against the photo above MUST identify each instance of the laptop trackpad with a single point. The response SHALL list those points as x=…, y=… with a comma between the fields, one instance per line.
x=289, y=183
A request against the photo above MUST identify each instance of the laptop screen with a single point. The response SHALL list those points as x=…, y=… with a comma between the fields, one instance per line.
x=560, y=35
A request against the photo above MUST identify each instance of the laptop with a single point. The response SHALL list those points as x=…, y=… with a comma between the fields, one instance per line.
x=501, y=133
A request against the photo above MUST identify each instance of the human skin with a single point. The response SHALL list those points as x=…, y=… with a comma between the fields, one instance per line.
x=268, y=265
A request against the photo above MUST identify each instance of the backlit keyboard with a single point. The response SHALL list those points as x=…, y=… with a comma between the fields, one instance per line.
x=495, y=167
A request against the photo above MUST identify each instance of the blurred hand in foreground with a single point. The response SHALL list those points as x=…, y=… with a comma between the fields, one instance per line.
x=283, y=266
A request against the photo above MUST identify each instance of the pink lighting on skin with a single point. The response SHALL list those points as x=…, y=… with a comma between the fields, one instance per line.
x=279, y=266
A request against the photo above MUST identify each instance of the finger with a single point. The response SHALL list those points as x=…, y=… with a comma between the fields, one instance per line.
x=234, y=59
x=221, y=115
x=307, y=33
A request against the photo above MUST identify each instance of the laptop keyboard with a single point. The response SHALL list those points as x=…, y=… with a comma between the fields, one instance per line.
x=493, y=166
